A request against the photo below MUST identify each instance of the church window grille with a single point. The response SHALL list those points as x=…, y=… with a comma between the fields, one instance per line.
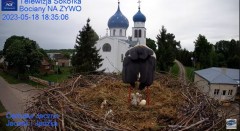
x=114, y=32
x=135, y=33
x=106, y=47
x=121, y=32
x=122, y=57
x=140, y=33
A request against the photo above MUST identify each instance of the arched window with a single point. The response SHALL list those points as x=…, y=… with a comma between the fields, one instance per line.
x=135, y=33
x=114, y=32
x=120, y=32
x=139, y=33
x=106, y=47
x=122, y=57
x=145, y=34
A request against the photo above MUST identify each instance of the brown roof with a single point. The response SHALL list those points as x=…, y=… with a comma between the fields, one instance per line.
x=45, y=62
x=59, y=56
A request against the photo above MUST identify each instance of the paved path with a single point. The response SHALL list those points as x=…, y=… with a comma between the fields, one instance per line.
x=182, y=71
x=15, y=96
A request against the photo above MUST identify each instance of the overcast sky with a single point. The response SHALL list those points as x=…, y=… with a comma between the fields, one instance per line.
x=186, y=19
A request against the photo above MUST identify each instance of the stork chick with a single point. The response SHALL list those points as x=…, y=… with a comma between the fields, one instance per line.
x=139, y=97
x=134, y=99
x=103, y=103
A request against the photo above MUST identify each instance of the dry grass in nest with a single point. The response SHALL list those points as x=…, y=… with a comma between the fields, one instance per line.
x=163, y=102
x=172, y=104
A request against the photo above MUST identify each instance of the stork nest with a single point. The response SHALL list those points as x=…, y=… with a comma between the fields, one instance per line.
x=173, y=105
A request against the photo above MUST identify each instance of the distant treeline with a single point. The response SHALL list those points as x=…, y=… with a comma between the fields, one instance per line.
x=223, y=54
x=59, y=50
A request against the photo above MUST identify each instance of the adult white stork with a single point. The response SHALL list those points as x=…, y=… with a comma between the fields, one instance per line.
x=139, y=60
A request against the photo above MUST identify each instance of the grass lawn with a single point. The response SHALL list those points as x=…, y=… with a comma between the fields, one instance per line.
x=10, y=79
x=4, y=120
x=190, y=73
x=13, y=80
x=175, y=69
x=65, y=72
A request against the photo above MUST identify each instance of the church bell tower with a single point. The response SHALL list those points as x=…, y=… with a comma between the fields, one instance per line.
x=139, y=30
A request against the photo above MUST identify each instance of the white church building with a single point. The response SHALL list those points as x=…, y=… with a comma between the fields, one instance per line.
x=114, y=46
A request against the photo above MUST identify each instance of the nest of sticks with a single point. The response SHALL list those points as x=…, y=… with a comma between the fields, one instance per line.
x=174, y=105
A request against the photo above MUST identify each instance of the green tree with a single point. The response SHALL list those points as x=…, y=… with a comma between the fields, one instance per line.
x=22, y=54
x=221, y=61
x=222, y=49
x=166, y=52
x=185, y=57
x=228, y=53
x=213, y=56
x=151, y=44
x=66, y=55
x=87, y=58
x=202, y=52
x=11, y=40
x=234, y=62
x=1, y=54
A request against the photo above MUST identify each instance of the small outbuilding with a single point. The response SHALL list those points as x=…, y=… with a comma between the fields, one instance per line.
x=60, y=59
x=218, y=83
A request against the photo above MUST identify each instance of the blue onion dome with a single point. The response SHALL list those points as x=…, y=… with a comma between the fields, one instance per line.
x=139, y=17
x=118, y=20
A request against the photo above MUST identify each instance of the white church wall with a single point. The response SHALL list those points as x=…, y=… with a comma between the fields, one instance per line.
x=122, y=49
x=139, y=24
x=141, y=39
x=118, y=24
x=110, y=62
x=113, y=60
x=119, y=33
